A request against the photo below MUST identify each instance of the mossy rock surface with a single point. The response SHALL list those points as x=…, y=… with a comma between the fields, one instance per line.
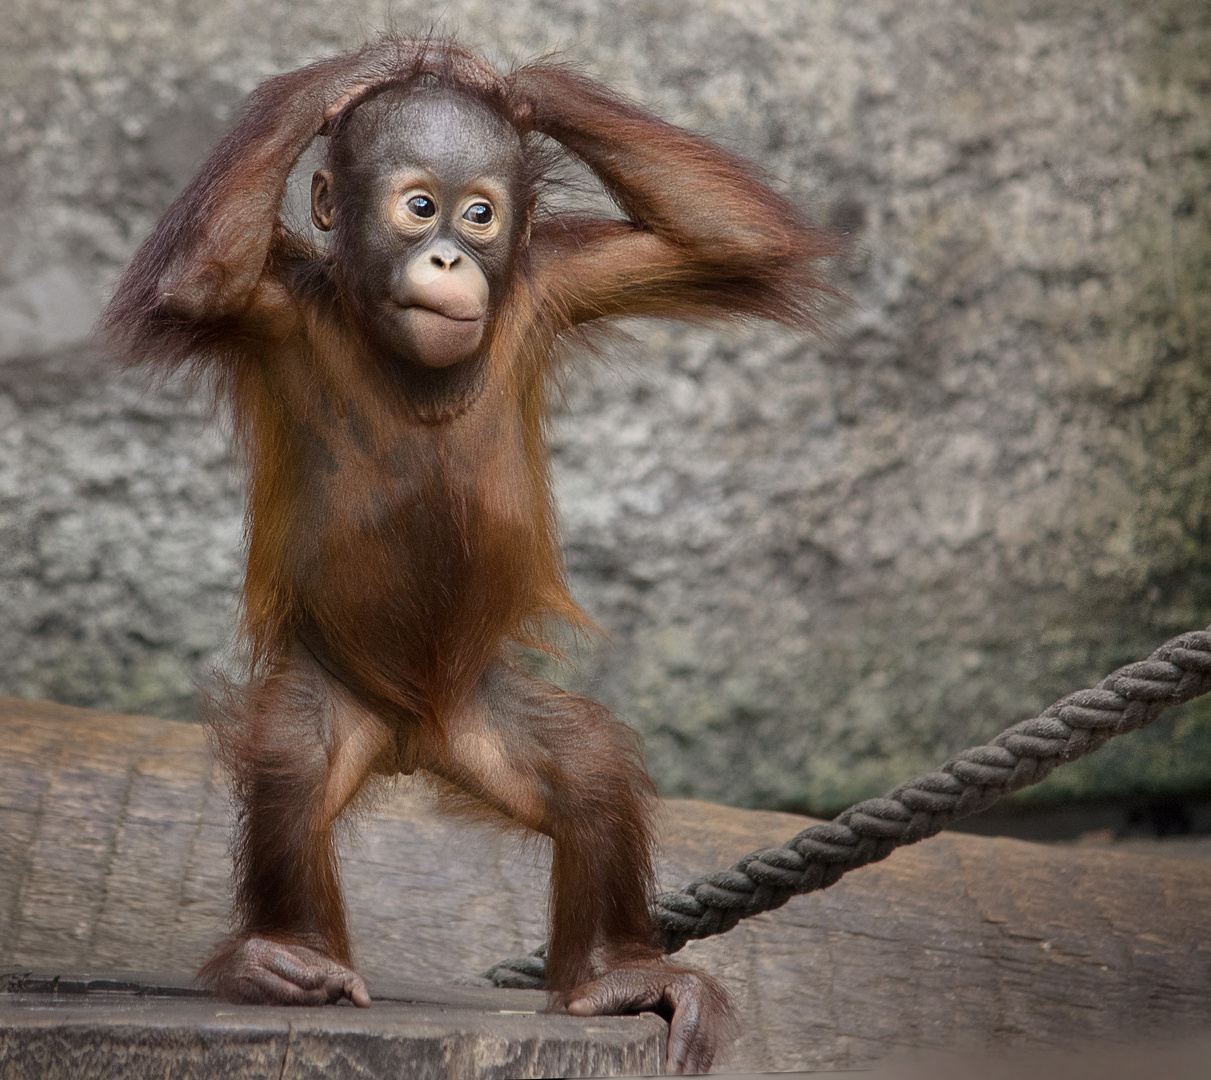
x=823, y=567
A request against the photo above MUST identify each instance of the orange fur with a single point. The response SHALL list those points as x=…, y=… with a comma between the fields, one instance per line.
x=400, y=526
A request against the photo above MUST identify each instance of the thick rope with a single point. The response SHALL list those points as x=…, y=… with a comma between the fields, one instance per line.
x=1076, y=725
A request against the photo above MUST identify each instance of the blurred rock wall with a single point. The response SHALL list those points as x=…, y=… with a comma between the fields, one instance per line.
x=822, y=566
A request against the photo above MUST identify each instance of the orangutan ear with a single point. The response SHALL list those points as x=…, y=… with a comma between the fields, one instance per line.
x=322, y=208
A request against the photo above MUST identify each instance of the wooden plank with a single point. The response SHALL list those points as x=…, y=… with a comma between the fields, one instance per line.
x=137, y=1032
x=116, y=838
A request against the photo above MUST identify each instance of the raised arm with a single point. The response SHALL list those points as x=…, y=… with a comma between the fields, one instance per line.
x=705, y=238
x=206, y=270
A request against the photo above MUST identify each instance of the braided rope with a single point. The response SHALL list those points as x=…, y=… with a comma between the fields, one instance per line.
x=1128, y=699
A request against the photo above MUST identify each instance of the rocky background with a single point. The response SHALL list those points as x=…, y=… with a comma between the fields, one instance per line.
x=822, y=566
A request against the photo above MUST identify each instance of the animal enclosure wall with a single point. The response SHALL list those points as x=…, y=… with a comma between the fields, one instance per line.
x=822, y=565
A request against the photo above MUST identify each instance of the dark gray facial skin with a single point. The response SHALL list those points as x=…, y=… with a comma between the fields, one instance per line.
x=424, y=198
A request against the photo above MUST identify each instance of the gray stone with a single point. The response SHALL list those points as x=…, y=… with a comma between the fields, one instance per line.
x=822, y=566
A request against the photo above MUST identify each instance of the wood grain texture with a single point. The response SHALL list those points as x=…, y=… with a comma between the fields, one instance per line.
x=113, y=854
x=420, y=1033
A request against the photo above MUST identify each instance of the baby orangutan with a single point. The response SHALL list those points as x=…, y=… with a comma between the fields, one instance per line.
x=389, y=396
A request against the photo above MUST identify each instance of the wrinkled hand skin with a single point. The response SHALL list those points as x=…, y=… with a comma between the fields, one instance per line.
x=701, y=1024
x=263, y=972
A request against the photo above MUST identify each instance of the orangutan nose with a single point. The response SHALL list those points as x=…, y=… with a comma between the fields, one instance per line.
x=445, y=256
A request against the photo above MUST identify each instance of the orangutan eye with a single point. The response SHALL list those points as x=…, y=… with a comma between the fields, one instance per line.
x=479, y=213
x=421, y=206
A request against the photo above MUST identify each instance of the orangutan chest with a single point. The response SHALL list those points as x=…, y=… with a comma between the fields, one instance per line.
x=424, y=503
